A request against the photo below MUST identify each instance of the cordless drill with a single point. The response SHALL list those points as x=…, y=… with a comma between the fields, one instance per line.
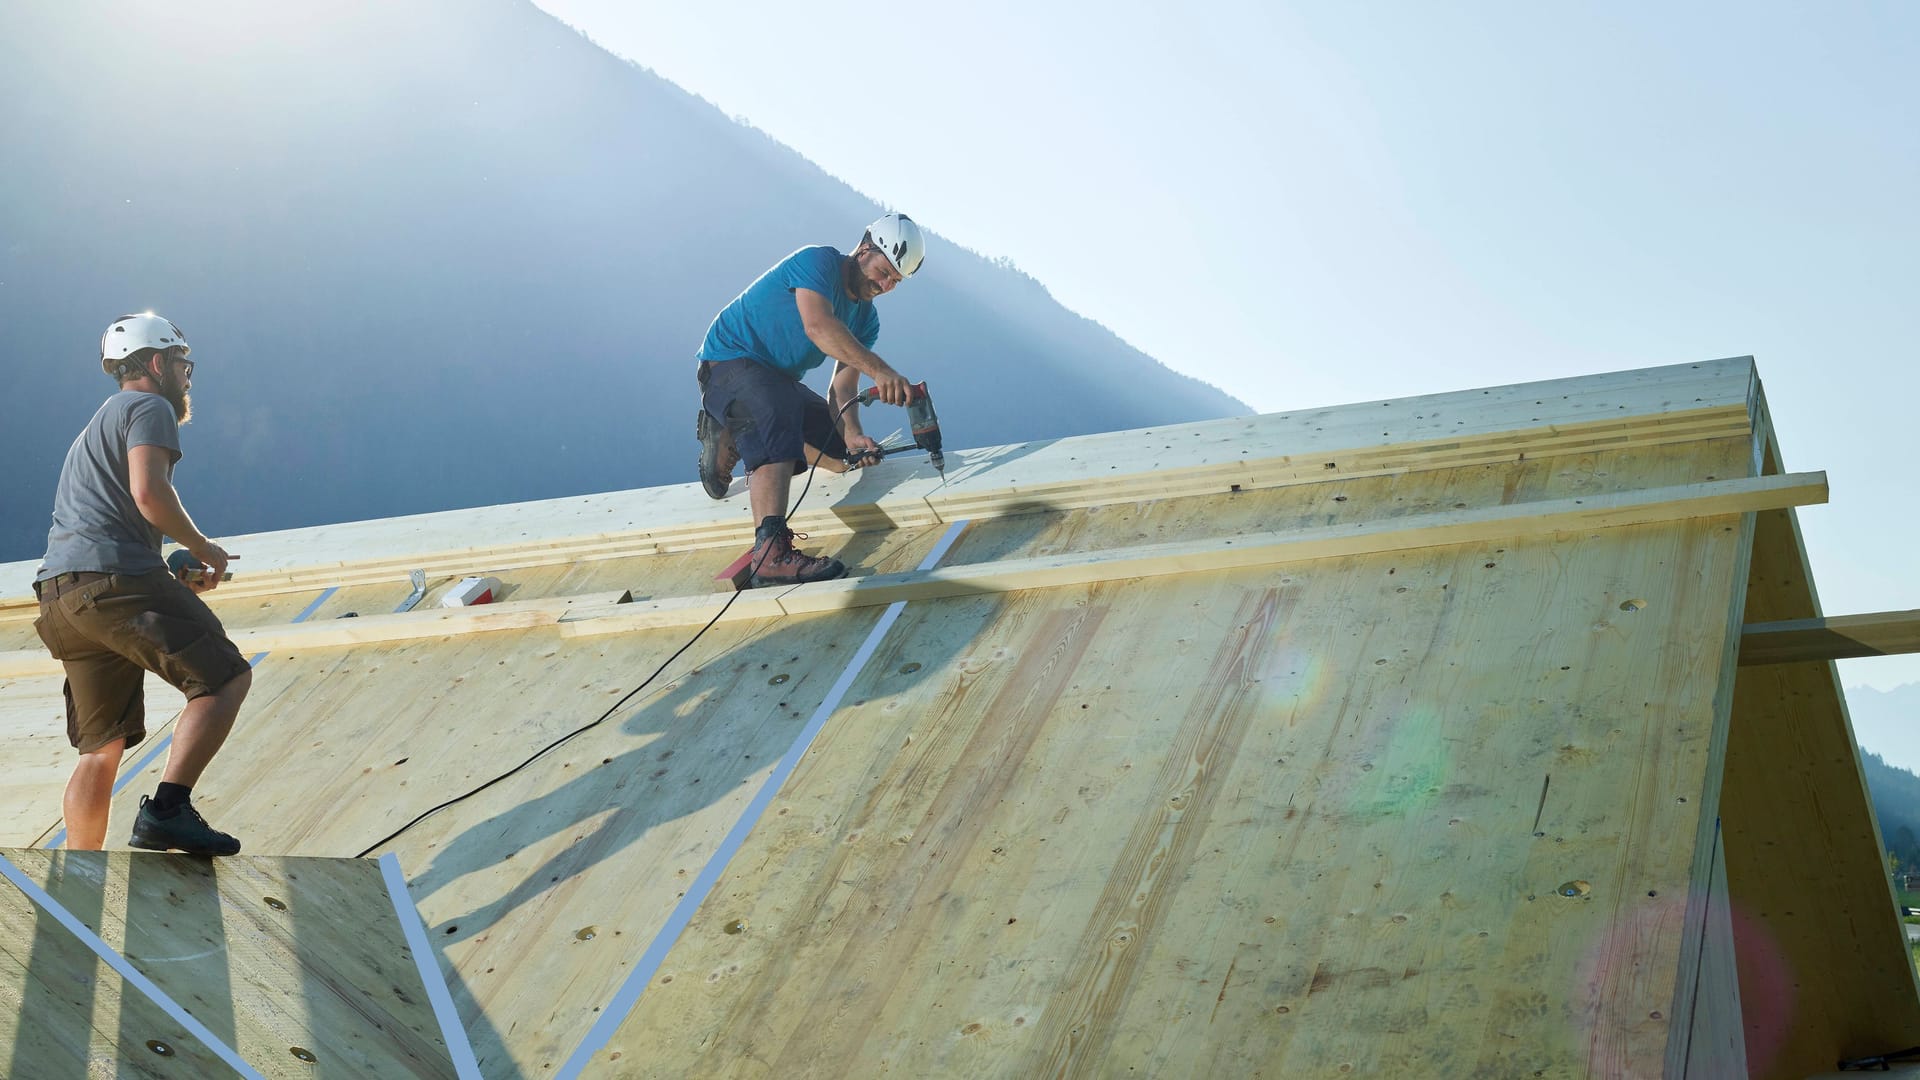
x=920, y=418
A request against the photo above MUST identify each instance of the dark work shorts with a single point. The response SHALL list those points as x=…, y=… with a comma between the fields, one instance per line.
x=110, y=632
x=772, y=416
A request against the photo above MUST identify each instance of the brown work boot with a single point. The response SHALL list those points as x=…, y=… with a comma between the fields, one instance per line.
x=718, y=455
x=775, y=562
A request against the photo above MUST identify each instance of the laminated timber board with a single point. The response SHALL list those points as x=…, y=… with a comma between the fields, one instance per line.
x=31, y=708
x=1247, y=823
x=540, y=890
x=39, y=758
x=543, y=890
x=1260, y=549
x=65, y=1013
x=611, y=613
x=1824, y=967
x=537, y=889
x=427, y=623
x=1880, y=633
x=269, y=954
x=1657, y=406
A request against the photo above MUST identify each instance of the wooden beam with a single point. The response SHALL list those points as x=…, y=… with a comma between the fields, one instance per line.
x=1882, y=633
x=402, y=626
x=1657, y=406
x=1610, y=510
x=603, y=613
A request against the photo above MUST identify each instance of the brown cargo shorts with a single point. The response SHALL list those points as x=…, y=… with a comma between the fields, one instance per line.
x=109, y=630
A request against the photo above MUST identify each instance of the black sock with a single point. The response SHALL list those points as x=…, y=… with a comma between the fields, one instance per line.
x=169, y=797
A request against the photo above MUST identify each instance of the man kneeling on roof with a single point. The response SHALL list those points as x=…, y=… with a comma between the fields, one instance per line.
x=112, y=610
x=813, y=304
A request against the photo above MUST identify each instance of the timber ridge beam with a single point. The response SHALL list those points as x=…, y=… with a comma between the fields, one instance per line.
x=1841, y=637
x=612, y=613
x=1544, y=517
x=1586, y=414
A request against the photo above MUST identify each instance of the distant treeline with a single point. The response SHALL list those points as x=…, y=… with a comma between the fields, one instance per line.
x=1896, y=802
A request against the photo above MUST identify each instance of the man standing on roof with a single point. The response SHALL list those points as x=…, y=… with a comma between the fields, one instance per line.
x=813, y=304
x=111, y=610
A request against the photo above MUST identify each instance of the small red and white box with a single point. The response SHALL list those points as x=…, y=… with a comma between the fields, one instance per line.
x=471, y=591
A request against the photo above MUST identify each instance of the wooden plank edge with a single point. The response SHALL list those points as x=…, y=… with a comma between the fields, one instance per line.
x=585, y=616
x=373, y=629
x=944, y=505
x=1840, y=637
x=1545, y=517
x=1698, y=915
x=674, y=611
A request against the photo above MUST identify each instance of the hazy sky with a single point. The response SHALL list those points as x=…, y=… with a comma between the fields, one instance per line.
x=1309, y=204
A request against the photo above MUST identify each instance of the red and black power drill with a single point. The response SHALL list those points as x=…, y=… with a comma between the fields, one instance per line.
x=920, y=417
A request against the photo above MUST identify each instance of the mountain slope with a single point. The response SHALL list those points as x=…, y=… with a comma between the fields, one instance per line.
x=443, y=254
x=1887, y=722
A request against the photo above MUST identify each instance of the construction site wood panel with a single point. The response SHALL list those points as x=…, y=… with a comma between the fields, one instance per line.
x=1824, y=967
x=535, y=890
x=277, y=957
x=1655, y=404
x=542, y=890
x=17, y=633
x=33, y=723
x=1716, y=1047
x=1265, y=820
x=1178, y=519
x=65, y=1013
x=1236, y=823
x=33, y=720
x=1879, y=633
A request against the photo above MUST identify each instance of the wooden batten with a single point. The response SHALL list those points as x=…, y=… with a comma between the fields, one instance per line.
x=1841, y=637
x=1685, y=402
x=1614, y=510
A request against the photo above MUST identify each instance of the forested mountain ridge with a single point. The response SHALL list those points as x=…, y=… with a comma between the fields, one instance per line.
x=440, y=254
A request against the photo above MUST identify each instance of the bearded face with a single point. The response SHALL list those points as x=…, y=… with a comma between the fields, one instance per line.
x=176, y=377
x=868, y=273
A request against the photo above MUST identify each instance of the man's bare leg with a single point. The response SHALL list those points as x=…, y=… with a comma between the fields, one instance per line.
x=767, y=488
x=89, y=795
x=202, y=728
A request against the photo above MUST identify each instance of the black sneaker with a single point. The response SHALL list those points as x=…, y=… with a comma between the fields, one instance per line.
x=718, y=455
x=184, y=831
x=775, y=562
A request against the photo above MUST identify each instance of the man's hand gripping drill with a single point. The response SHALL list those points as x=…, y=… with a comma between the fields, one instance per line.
x=920, y=418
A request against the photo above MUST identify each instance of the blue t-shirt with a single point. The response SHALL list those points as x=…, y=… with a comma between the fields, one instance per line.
x=764, y=321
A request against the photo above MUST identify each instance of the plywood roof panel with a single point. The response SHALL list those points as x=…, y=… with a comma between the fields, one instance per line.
x=1053, y=852
x=1256, y=819
x=277, y=958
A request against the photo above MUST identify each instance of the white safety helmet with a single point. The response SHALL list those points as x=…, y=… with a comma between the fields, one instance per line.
x=898, y=238
x=128, y=334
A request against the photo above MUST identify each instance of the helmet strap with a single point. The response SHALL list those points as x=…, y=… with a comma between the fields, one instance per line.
x=130, y=367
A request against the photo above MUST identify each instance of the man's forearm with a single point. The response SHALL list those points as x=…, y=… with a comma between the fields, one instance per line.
x=162, y=508
x=841, y=390
x=846, y=349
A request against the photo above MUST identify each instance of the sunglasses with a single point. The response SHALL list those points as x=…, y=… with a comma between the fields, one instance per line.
x=186, y=365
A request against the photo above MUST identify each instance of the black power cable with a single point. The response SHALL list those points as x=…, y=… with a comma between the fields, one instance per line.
x=808, y=486
x=1881, y=1062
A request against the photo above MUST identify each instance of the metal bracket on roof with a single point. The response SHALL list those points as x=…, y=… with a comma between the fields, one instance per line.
x=419, y=579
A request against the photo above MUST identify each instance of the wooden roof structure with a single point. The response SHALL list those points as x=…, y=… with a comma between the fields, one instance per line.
x=1409, y=737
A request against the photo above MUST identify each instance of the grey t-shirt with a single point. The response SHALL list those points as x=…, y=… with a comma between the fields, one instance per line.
x=96, y=525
